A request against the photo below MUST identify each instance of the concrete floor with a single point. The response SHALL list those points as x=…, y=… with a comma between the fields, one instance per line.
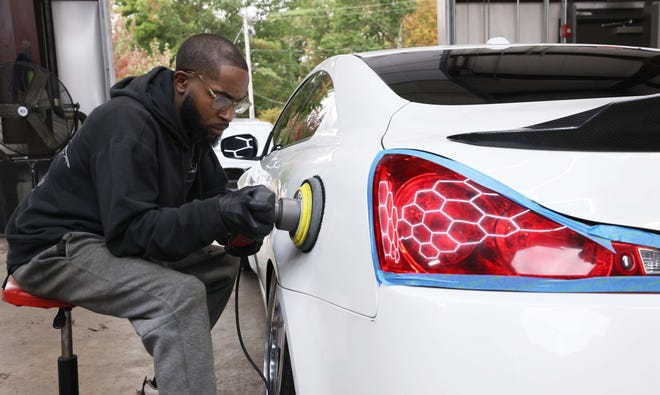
x=111, y=358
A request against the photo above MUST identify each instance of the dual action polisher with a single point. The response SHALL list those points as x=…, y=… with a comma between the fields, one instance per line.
x=300, y=215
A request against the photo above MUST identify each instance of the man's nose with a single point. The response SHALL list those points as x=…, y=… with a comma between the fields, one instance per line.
x=227, y=114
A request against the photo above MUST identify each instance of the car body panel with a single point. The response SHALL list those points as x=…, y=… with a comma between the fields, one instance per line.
x=351, y=332
x=475, y=342
x=343, y=143
x=577, y=184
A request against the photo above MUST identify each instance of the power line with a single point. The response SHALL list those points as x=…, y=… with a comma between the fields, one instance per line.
x=363, y=6
x=316, y=13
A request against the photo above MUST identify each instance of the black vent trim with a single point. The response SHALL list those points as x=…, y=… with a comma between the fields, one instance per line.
x=627, y=126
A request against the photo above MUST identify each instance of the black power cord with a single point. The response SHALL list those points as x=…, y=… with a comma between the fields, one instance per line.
x=245, y=265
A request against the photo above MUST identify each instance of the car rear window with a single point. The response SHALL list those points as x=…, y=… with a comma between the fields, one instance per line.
x=518, y=74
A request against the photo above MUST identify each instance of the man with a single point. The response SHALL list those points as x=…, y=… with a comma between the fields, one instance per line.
x=124, y=220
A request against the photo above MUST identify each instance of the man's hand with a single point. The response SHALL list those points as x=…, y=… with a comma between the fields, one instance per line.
x=249, y=212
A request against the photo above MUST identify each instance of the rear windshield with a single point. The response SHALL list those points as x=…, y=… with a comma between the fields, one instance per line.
x=518, y=74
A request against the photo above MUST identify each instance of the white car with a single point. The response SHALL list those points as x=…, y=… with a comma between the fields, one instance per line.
x=232, y=159
x=486, y=220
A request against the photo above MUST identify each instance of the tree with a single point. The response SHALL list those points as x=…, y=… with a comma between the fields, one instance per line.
x=171, y=22
x=276, y=46
x=291, y=37
x=129, y=58
x=421, y=27
x=287, y=38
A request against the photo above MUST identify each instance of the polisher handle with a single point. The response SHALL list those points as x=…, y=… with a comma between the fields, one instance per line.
x=240, y=241
x=287, y=214
x=287, y=217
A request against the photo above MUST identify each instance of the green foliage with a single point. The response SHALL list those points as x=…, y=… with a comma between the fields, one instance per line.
x=172, y=21
x=270, y=115
x=129, y=58
x=287, y=37
x=291, y=37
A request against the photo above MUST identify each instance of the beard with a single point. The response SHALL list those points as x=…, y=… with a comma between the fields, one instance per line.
x=192, y=122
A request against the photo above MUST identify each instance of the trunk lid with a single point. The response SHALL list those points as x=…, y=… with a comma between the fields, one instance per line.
x=617, y=188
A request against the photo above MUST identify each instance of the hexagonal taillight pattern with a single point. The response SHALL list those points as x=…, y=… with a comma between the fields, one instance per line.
x=430, y=219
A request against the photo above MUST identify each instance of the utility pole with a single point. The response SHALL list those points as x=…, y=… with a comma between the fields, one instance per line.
x=546, y=16
x=443, y=37
x=451, y=21
x=446, y=13
x=246, y=38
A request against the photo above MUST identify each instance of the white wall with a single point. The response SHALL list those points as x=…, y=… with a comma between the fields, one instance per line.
x=477, y=22
x=84, y=53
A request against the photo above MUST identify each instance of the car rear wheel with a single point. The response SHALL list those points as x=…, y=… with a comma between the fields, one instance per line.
x=277, y=361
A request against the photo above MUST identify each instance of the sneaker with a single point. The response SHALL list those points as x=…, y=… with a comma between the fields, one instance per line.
x=148, y=387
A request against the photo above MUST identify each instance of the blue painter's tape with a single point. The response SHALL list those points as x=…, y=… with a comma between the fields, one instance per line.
x=523, y=284
x=601, y=234
x=625, y=235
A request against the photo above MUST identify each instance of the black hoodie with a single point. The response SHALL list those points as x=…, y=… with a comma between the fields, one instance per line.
x=131, y=174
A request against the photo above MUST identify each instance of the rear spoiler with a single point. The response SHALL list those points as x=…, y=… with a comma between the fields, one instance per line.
x=622, y=126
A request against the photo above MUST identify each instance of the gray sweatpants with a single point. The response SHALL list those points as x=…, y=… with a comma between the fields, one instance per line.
x=172, y=305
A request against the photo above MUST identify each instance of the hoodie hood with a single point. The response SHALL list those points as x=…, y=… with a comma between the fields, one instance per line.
x=155, y=91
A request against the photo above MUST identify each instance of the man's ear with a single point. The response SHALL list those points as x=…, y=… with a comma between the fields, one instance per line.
x=181, y=82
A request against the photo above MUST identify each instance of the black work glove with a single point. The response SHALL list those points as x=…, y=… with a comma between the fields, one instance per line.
x=247, y=250
x=249, y=212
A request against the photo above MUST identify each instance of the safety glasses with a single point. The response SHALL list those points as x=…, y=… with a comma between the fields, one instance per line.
x=222, y=103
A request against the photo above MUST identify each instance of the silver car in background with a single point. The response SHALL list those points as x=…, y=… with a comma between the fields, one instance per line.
x=237, y=148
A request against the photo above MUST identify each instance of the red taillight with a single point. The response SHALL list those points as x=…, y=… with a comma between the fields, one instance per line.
x=429, y=219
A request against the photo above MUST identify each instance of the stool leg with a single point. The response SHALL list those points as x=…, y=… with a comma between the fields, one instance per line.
x=67, y=364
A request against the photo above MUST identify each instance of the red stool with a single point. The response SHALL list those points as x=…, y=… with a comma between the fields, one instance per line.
x=67, y=364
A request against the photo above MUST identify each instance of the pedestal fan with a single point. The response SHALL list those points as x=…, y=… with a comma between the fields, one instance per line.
x=37, y=114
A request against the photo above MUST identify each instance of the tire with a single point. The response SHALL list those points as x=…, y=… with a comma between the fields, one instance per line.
x=277, y=360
